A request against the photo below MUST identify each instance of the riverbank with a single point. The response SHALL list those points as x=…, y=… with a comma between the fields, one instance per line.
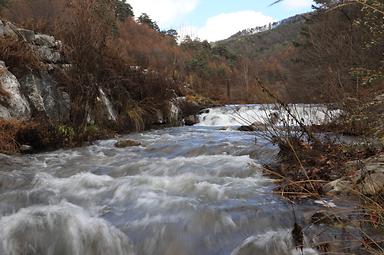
x=340, y=161
x=316, y=155
x=41, y=107
x=43, y=134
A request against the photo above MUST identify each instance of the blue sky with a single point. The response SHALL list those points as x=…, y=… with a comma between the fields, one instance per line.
x=217, y=19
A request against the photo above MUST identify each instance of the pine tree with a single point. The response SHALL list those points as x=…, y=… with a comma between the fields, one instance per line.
x=146, y=20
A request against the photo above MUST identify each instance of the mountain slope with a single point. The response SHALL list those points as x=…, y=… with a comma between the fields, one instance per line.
x=261, y=40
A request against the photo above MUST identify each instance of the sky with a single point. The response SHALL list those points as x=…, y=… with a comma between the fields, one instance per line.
x=214, y=20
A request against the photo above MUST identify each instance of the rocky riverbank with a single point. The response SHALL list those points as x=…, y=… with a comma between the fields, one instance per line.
x=37, y=109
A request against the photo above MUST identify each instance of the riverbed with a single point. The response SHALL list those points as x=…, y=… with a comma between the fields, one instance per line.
x=185, y=191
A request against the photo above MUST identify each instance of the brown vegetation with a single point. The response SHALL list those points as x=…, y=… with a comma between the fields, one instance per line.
x=120, y=49
x=43, y=135
x=18, y=55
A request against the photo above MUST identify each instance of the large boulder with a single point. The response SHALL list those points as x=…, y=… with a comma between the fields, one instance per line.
x=13, y=105
x=367, y=180
x=8, y=29
x=45, y=96
x=337, y=187
x=45, y=40
x=191, y=120
x=174, y=114
x=370, y=180
x=28, y=35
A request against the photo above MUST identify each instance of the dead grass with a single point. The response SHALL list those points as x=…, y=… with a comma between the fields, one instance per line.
x=8, y=131
x=41, y=135
x=18, y=55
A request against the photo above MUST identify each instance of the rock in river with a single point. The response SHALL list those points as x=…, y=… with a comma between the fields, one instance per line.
x=126, y=143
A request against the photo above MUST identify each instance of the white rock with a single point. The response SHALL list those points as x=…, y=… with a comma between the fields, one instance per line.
x=16, y=105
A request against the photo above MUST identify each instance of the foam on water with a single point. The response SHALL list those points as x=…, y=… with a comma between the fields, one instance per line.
x=60, y=229
x=236, y=115
x=272, y=242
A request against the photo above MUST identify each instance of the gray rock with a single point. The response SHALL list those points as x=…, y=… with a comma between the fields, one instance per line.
x=159, y=117
x=175, y=114
x=48, y=54
x=31, y=88
x=253, y=127
x=45, y=97
x=14, y=105
x=249, y=128
x=2, y=31
x=191, y=120
x=45, y=40
x=338, y=187
x=28, y=35
x=26, y=149
x=126, y=143
x=371, y=183
x=8, y=29
x=379, y=98
x=368, y=180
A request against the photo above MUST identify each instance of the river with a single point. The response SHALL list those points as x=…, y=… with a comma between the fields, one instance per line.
x=185, y=191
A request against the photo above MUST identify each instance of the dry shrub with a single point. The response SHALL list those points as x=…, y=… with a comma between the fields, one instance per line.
x=8, y=131
x=40, y=134
x=135, y=115
x=18, y=55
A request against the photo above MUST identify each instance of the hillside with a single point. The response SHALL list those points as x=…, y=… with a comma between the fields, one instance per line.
x=314, y=57
x=257, y=41
x=269, y=51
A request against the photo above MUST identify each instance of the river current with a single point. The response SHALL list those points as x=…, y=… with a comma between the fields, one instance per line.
x=185, y=191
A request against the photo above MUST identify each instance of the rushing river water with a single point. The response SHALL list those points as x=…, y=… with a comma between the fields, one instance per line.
x=186, y=191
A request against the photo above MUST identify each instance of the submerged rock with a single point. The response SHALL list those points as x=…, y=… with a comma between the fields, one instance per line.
x=126, y=143
x=191, y=120
x=326, y=218
x=26, y=149
x=246, y=128
x=253, y=127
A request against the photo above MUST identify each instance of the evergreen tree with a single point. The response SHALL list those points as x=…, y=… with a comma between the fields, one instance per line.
x=146, y=20
x=123, y=10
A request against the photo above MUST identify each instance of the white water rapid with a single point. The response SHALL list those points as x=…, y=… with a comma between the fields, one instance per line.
x=186, y=191
x=236, y=115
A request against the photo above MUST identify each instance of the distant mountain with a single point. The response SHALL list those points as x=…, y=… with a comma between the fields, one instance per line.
x=255, y=41
x=289, y=21
x=270, y=53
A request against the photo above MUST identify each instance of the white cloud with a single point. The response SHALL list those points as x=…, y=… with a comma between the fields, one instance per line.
x=297, y=4
x=226, y=24
x=164, y=12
